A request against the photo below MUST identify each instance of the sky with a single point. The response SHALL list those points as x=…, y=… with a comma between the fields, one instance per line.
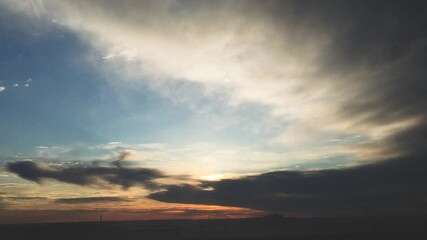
x=211, y=109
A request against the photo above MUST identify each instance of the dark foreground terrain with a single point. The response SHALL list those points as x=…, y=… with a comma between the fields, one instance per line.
x=254, y=228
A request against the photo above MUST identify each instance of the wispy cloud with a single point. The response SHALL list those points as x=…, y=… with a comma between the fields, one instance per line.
x=202, y=159
x=89, y=200
x=303, y=71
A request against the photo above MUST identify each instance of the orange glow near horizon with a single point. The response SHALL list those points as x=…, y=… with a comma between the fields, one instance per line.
x=165, y=212
x=37, y=203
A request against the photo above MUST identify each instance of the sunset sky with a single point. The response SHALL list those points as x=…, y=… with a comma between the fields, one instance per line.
x=211, y=109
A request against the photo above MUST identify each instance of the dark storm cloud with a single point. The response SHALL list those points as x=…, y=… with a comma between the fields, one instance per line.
x=90, y=200
x=87, y=175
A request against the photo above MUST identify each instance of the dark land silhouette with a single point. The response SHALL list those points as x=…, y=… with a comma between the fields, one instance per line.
x=251, y=228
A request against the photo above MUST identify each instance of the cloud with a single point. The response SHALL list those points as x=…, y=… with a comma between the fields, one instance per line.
x=26, y=198
x=87, y=175
x=2, y=88
x=392, y=187
x=329, y=69
x=89, y=200
x=122, y=157
x=6, y=200
x=329, y=74
x=395, y=186
x=332, y=70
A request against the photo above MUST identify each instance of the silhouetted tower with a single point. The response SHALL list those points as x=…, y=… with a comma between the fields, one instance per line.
x=100, y=218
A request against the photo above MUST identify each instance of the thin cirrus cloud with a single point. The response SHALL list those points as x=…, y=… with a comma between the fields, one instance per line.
x=90, y=200
x=328, y=73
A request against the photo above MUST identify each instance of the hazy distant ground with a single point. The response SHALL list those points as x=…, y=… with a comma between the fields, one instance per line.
x=255, y=228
